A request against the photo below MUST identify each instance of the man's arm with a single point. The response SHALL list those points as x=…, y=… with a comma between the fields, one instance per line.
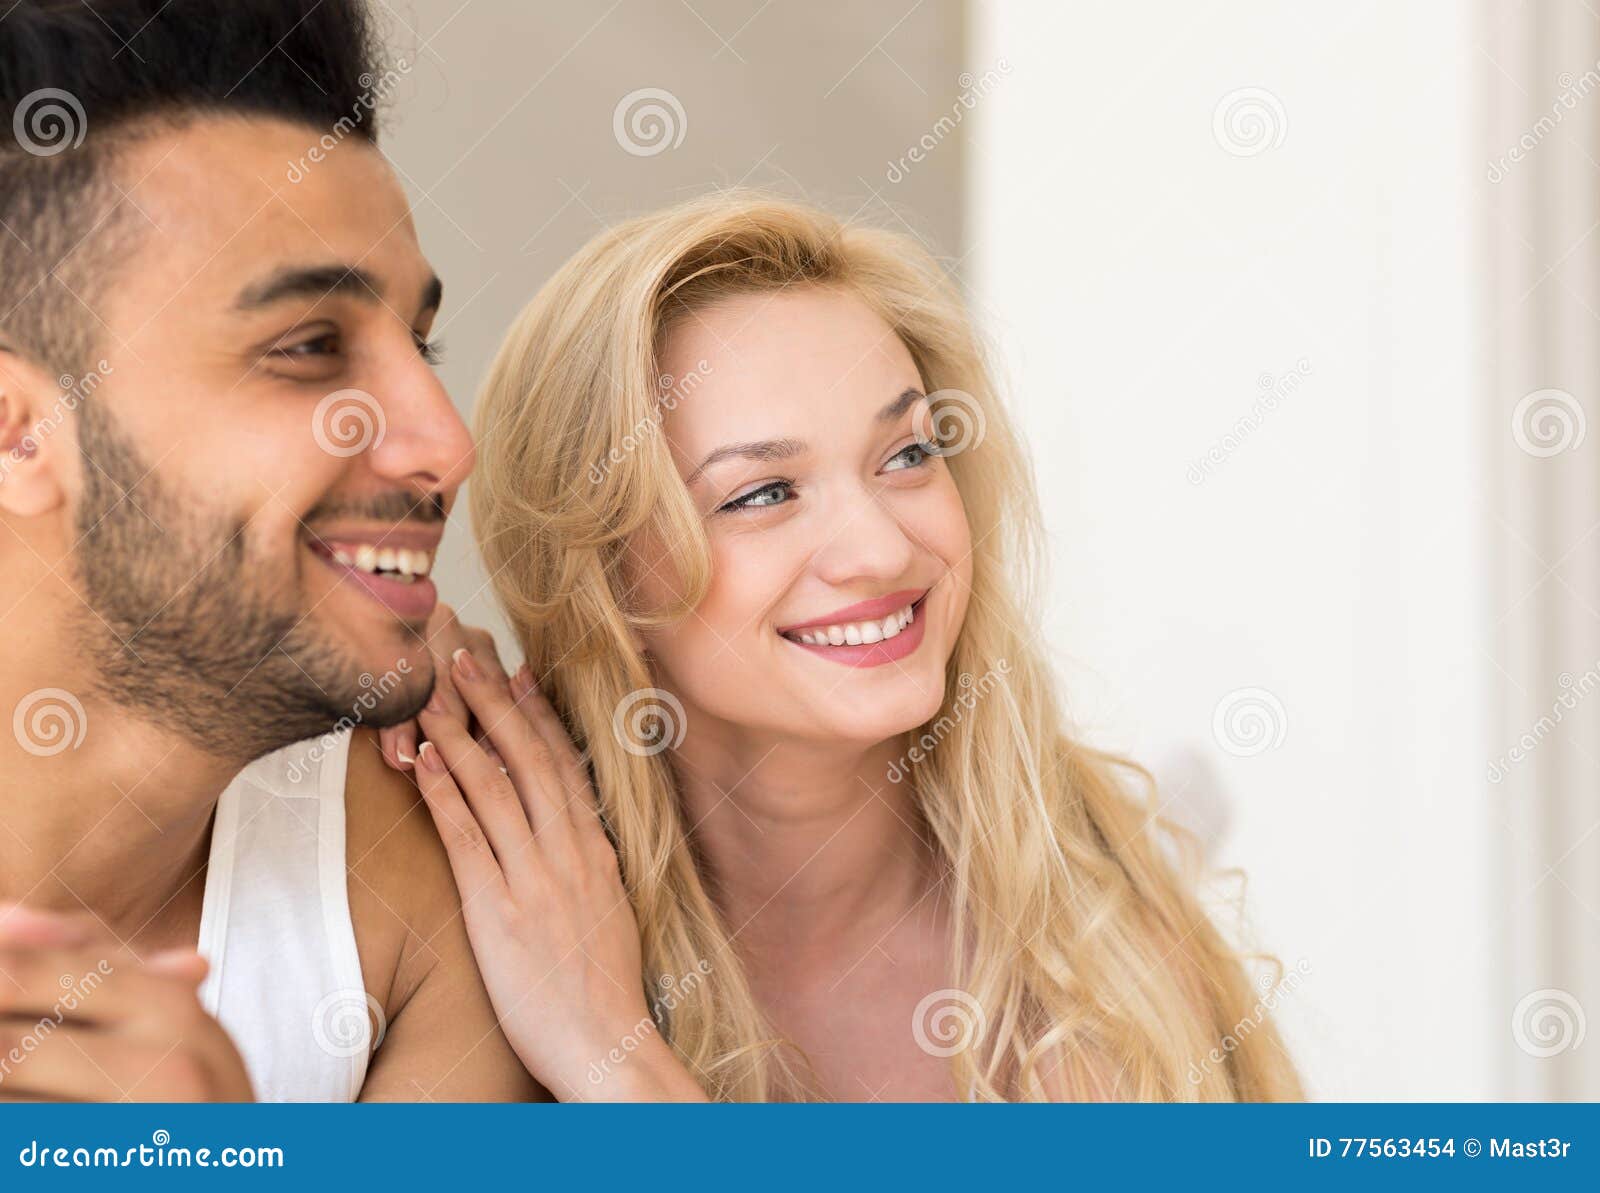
x=441, y=1042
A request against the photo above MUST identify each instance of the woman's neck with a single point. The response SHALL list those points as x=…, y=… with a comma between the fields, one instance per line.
x=808, y=847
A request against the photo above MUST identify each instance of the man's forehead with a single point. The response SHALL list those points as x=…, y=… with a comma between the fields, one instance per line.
x=214, y=202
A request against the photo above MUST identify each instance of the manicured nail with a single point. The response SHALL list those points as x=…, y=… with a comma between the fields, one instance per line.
x=466, y=664
x=405, y=758
x=522, y=681
x=428, y=757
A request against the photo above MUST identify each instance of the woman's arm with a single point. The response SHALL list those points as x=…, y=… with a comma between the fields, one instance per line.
x=542, y=894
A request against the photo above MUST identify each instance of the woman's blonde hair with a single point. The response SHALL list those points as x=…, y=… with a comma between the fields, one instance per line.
x=1085, y=967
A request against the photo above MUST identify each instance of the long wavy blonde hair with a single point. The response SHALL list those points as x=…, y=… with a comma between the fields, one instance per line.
x=1096, y=969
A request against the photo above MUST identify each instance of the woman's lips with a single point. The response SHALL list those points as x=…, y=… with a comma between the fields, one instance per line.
x=871, y=654
x=874, y=610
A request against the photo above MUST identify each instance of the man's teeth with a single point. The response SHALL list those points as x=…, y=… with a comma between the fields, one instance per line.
x=407, y=564
x=857, y=633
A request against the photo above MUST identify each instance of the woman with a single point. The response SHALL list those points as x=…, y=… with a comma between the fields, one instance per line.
x=762, y=530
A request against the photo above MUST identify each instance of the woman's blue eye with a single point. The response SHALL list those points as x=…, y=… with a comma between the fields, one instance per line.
x=911, y=455
x=775, y=493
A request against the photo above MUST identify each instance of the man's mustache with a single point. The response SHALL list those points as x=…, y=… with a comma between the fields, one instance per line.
x=381, y=507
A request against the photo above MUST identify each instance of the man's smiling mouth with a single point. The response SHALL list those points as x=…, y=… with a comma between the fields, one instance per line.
x=390, y=566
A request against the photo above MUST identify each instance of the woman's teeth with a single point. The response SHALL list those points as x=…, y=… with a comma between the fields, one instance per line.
x=406, y=564
x=857, y=633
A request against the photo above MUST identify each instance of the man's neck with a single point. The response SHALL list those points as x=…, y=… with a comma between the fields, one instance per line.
x=98, y=809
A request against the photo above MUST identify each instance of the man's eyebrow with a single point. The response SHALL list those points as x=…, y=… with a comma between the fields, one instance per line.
x=323, y=281
x=765, y=449
x=901, y=404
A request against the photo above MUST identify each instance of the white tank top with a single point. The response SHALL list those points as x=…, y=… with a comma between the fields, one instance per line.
x=285, y=978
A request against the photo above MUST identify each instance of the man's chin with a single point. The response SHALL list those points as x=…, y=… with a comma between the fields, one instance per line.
x=392, y=697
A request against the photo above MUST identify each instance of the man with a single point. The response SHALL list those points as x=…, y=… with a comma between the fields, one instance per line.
x=225, y=466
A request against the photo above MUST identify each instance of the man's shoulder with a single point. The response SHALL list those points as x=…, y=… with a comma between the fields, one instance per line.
x=402, y=894
x=444, y=1040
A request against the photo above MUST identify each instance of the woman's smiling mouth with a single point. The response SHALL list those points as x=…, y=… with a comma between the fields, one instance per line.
x=867, y=634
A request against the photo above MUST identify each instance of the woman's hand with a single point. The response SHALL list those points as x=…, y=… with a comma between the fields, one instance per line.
x=444, y=636
x=84, y=1020
x=542, y=894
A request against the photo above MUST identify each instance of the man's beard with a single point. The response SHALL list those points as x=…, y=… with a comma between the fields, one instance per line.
x=190, y=632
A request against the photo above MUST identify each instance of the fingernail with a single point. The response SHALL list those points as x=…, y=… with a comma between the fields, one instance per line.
x=435, y=703
x=466, y=664
x=428, y=756
x=405, y=758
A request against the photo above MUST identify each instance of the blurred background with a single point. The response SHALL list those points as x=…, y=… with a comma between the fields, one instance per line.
x=1297, y=305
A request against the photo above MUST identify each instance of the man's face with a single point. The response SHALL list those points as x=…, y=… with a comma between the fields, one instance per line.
x=269, y=431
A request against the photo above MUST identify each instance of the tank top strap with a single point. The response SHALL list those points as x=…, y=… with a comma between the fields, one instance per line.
x=285, y=978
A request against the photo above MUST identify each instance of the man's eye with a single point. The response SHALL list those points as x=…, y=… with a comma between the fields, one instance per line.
x=773, y=493
x=322, y=345
x=911, y=456
x=431, y=351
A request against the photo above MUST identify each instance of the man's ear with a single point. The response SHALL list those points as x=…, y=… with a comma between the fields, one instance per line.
x=32, y=438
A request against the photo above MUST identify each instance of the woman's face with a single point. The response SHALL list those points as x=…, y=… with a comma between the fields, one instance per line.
x=840, y=549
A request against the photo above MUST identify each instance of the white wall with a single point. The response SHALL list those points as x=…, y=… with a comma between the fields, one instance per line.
x=1140, y=279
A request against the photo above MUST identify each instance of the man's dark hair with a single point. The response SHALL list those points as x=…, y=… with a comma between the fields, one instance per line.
x=79, y=79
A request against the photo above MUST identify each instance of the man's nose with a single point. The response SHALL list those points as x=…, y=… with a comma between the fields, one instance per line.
x=425, y=445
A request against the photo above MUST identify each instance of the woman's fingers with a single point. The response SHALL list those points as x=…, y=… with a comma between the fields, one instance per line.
x=578, y=793
x=531, y=763
x=399, y=745
x=491, y=794
x=472, y=860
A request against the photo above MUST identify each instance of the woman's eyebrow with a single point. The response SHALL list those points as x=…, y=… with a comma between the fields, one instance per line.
x=765, y=449
x=901, y=404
